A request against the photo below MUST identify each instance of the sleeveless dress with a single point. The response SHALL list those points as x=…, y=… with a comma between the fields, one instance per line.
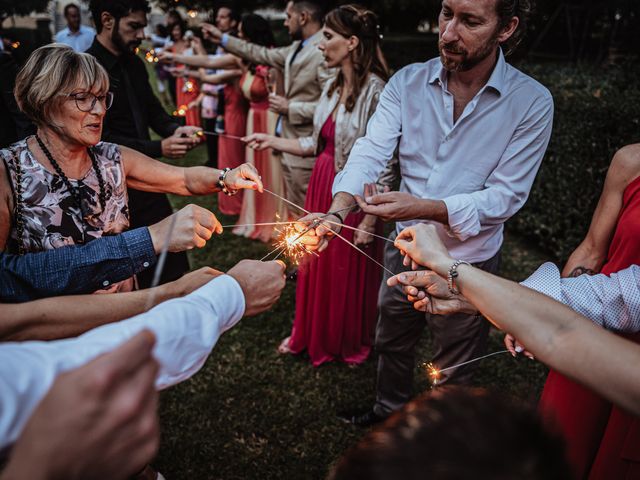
x=50, y=215
x=603, y=442
x=256, y=207
x=184, y=96
x=337, y=292
x=231, y=150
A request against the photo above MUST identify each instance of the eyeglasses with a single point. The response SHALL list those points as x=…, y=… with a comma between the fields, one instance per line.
x=87, y=101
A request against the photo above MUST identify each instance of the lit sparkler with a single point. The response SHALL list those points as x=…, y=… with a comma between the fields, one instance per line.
x=433, y=372
x=290, y=244
x=15, y=45
x=188, y=87
x=151, y=57
x=181, y=111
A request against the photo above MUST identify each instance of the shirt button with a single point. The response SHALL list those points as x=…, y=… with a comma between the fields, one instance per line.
x=105, y=283
x=145, y=264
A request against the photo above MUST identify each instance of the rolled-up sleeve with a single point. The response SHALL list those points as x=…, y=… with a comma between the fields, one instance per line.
x=507, y=188
x=611, y=301
x=371, y=153
x=186, y=331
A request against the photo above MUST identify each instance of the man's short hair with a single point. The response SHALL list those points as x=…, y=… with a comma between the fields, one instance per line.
x=234, y=13
x=68, y=7
x=117, y=8
x=454, y=433
x=506, y=10
x=317, y=9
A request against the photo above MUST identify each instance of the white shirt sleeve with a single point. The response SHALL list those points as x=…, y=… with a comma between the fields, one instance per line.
x=186, y=331
x=507, y=188
x=611, y=301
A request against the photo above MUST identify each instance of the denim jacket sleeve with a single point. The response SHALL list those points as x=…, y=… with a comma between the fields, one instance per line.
x=75, y=269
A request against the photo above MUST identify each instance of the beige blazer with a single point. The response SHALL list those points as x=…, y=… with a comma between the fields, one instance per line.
x=350, y=126
x=304, y=80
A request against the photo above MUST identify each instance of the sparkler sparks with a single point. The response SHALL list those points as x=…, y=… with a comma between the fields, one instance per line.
x=188, y=87
x=150, y=56
x=290, y=244
x=181, y=111
x=433, y=372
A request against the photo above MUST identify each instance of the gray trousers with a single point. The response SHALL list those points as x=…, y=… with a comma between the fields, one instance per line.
x=457, y=338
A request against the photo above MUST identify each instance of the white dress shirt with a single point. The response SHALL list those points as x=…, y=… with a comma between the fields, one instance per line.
x=612, y=301
x=80, y=41
x=482, y=166
x=186, y=330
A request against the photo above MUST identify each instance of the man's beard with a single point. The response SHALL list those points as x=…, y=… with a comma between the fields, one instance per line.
x=121, y=45
x=467, y=62
x=297, y=35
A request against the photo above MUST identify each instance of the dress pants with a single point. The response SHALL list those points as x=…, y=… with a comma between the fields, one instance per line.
x=457, y=338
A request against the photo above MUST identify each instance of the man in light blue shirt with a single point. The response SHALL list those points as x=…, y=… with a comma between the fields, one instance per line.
x=76, y=35
x=471, y=132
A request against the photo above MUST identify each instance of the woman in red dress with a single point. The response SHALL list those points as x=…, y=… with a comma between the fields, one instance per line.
x=187, y=90
x=337, y=292
x=603, y=442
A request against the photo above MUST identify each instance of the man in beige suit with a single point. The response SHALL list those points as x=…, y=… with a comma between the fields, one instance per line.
x=304, y=77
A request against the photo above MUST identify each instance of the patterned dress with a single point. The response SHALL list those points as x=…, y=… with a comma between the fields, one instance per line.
x=49, y=212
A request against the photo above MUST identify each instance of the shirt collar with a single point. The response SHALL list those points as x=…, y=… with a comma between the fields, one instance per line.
x=104, y=56
x=496, y=80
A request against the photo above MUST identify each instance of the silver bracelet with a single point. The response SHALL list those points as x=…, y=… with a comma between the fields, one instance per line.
x=453, y=274
x=222, y=185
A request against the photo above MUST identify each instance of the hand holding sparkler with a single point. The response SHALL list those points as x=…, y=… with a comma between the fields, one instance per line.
x=165, y=56
x=430, y=293
x=515, y=347
x=261, y=282
x=211, y=32
x=193, y=226
x=421, y=245
x=315, y=233
x=244, y=176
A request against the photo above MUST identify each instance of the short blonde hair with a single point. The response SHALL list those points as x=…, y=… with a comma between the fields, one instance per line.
x=50, y=73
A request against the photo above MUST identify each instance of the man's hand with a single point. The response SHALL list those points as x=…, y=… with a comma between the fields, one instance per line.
x=515, y=347
x=194, y=226
x=191, y=132
x=279, y=104
x=244, y=176
x=430, y=293
x=392, y=206
x=261, y=283
x=165, y=57
x=368, y=224
x=211, y=32
x=421, y=245
x=177, y=146
x=318, y=229
x=97, y=421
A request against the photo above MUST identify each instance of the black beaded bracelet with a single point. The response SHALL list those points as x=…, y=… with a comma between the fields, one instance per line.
x=222, y=185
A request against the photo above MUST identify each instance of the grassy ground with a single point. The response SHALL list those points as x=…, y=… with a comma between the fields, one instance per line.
x=250, y=413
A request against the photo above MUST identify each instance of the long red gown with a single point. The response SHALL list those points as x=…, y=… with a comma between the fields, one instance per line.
x=256, y=207
x=231, y=150
x=337, y=292
x=603, y=442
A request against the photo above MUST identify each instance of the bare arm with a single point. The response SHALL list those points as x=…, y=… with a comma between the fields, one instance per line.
x=561, y=338
x=149, y=175
x=205, y=61
x=262, y=141
x=70, y=316
x=6, y=206
x=592, y=252
x=220, y=78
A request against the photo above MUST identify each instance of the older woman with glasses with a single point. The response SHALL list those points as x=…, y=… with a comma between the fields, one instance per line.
x=63, y=186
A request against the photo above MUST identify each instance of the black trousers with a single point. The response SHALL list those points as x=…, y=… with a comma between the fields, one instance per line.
x=458, y=338
x=147, y=208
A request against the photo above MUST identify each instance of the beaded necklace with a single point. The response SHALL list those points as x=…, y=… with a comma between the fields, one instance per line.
x=75, y=192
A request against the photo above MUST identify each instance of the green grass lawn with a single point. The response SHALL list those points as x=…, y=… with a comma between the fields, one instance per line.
x=251, y=413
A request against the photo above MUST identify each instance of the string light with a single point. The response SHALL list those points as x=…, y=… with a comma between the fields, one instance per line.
x=188, y=87
x=150, y=56
x=192, y=13
x=15, y=45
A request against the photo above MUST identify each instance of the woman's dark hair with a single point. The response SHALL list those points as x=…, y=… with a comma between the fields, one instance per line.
x=182, y=25
x=256, y=29
x=453, y=433
x=173, y=17
x=355, y=20
x=506, y=10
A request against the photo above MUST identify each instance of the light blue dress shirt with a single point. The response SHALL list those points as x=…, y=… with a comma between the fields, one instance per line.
x=612, y=301
x=482, y=166
x=79, y=41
